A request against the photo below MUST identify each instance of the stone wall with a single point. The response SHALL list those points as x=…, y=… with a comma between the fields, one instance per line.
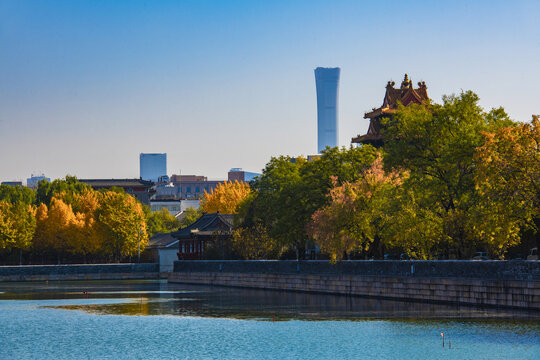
x=79, y=272
x=482, y=283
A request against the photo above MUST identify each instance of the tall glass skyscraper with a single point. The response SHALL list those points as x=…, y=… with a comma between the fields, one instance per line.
x=327, y=81
x=152, y=166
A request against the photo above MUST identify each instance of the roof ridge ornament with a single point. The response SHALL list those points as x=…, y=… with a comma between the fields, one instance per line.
x=406, y=83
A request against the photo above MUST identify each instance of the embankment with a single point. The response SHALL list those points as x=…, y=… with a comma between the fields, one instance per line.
x=79, y=272
x=509, y=284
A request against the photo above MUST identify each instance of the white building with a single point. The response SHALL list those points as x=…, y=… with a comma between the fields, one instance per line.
x=174, y=206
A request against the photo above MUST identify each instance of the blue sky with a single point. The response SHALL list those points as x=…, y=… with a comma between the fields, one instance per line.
x=85, y=86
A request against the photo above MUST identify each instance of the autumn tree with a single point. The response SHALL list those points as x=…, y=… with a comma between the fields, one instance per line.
x=17, y=226
x=508, y=178
x=57, y=227
x=290, y=190
x=123, y=221
x=356, y=214
x=437, y=143
x=255, y=243
x=225, y=197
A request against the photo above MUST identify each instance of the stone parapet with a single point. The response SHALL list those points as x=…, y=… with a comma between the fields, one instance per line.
x=521, y=290
x=79, y=272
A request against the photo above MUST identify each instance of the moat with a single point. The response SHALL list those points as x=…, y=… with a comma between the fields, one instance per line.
x=154, y=319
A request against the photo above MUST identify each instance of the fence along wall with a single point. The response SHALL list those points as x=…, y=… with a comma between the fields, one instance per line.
x=79, y=272
x=480, y=283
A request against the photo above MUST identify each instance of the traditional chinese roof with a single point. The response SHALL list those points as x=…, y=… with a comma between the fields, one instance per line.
x=107, y=183
x=161, y=240
x=207, y=224
x=404, y=95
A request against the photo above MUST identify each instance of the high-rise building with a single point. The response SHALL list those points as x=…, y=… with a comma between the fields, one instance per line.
x=32, y=181
x=152, y=166
x=327, y=81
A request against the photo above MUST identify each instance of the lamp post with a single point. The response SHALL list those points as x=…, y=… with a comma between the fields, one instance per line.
x=139, y=244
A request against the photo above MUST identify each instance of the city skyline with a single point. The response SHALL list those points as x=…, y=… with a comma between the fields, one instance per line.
x=87, y=86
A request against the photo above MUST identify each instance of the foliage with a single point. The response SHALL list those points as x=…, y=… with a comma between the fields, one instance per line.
x=161, y=222
x=47, y=190
x=508, y=179
x=190, y=216
x=356, y=214
x=436, y=144
x=225, y=197
x=17, y=225
x=290, y=190
x=14, y=194
x=122, y=220
x=255, y=243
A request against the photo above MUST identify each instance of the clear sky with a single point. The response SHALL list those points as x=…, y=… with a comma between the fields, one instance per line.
x=85, y=86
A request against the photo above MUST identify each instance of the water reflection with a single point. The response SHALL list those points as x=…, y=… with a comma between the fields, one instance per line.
x=161, y=298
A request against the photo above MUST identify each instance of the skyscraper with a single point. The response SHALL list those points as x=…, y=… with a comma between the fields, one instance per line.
x=152, y=166
x=327, y=81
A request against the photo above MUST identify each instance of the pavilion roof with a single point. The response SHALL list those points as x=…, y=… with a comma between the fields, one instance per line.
x=405, y=95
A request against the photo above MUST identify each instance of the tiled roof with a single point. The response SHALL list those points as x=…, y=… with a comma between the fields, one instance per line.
x=161, y=240
x=116, y=182
x=406, y=95
x=207, y=223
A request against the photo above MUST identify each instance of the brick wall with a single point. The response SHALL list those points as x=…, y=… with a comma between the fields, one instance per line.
x=515, y=285
x=79, y=272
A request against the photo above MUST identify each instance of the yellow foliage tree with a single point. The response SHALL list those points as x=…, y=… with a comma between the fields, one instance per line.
x=58, y=226
x=225, y=197
x=17, y=225
x=87, y=237
x=122, y=219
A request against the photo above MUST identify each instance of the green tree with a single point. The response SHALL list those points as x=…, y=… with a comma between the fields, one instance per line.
x=437, y=143
x=69, y=186
x=290, y=190
x=14, y=194
x=17, y=225
x=190, y=216
x=161, y=222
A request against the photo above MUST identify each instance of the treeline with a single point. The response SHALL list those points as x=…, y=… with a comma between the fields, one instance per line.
x=450, y=179
x=68, y=221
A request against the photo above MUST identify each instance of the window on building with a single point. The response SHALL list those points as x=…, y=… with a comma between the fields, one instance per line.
x=197, y=190
x=188, y=190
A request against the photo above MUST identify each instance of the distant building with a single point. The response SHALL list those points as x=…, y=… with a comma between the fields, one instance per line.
x=237, y=174
x=193, y=186
x=174, y=206
x=32, y=181
x=12, y=183
x=405, y=95
x=141, y=189
x=152, y=166
x=327, y=83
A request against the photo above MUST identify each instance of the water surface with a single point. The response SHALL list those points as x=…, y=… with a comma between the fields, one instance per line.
x=153, y=320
